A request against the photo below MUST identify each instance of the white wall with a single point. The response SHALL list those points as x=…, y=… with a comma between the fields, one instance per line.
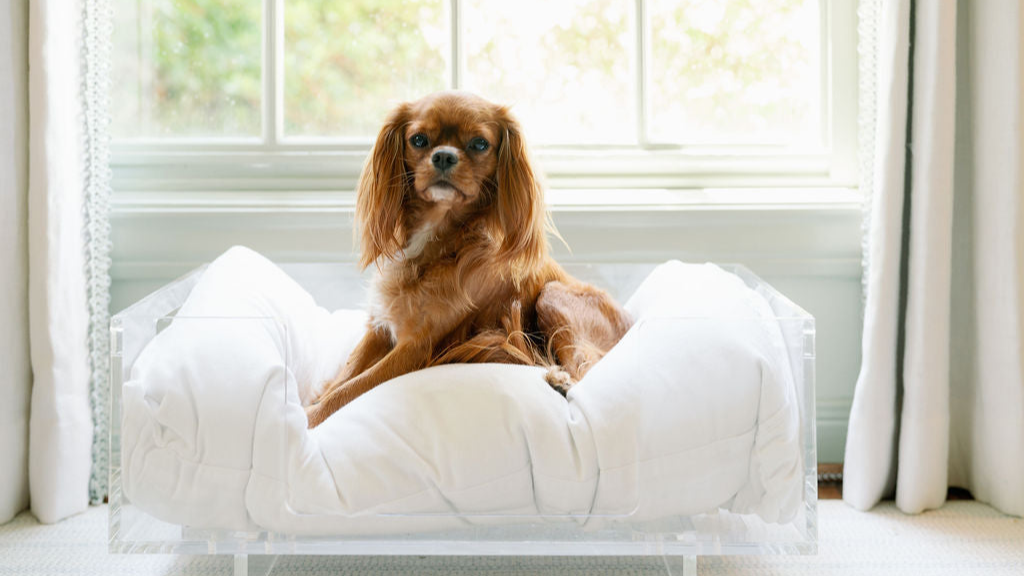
x=806, y=244
x=15, y=371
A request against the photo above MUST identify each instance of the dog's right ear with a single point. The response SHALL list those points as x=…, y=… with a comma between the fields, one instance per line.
x=381, y=192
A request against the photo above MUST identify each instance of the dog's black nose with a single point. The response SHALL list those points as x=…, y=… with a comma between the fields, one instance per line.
x=444, y=160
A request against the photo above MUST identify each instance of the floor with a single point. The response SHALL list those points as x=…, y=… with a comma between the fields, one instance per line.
x=830, y=481
x=963, y=538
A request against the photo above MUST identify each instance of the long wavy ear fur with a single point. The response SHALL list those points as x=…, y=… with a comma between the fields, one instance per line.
x=521, y=218
x=381, y=192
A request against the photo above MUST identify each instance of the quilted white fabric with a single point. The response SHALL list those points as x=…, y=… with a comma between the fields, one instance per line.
x=693, y=410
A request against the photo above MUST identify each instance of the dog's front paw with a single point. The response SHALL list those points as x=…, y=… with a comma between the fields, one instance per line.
x=314, y=415
x=559, y=379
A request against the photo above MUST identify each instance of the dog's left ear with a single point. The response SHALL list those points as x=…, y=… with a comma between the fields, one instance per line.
x=521, y=217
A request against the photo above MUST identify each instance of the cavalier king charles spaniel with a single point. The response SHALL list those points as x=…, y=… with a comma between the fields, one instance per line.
x=452, y=215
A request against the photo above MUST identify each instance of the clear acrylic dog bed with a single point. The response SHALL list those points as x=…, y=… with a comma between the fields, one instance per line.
x=677, y=540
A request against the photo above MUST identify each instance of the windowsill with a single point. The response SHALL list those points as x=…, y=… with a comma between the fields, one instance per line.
x=704, y=199
x=559, y=200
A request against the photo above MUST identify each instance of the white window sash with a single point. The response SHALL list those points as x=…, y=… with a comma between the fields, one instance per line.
x=274, y=161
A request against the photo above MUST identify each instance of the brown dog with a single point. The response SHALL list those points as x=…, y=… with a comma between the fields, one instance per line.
x=453, y=216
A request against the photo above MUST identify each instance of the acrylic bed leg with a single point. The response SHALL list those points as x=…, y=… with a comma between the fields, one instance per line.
x=682, y=565
x=246, y=565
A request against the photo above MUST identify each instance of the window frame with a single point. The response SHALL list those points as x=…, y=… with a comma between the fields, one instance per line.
x=273, y=162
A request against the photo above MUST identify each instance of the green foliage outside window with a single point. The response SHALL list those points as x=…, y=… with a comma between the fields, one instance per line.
x=744, y=70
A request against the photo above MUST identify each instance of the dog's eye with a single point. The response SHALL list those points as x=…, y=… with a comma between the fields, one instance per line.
x=479, y=144
x=418, y=141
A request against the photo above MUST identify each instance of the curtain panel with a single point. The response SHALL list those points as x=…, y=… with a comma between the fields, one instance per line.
x=940, y=397
x=55, y=255
x=16, y=373
x=60, y=425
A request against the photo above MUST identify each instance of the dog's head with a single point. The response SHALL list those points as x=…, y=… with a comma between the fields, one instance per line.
x=458, y=152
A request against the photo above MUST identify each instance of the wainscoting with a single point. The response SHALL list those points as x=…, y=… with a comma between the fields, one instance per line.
x=805, y=242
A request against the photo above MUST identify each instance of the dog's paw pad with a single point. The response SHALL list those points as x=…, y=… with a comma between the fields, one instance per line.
x=559, y=379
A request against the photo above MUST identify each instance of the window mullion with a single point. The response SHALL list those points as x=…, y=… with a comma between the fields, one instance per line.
x=273, y=12
x=640, y=77
x=825, y=60
x=455, y=8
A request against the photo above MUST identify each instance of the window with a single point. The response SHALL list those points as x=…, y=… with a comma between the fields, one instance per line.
x=243, y=94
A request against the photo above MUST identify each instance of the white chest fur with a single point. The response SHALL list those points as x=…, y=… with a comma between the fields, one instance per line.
x=378, y=304
x=422, y=236
x=382, y=289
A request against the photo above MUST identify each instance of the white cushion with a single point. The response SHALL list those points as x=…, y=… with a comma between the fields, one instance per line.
x=693, y=410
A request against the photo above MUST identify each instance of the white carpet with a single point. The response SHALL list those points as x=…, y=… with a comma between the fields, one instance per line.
x=962, y=538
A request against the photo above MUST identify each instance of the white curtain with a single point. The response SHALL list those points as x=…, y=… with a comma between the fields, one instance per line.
x=60, y=428
x=54, y=255
x=940, y=398
x=15, y=373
